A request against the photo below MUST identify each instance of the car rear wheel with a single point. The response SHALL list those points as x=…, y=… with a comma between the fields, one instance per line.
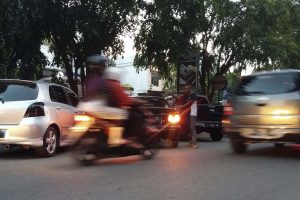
x=238, y=146
x=50, y=143
x=216, y=135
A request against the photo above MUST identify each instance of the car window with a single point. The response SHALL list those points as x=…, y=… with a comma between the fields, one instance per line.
x=17, y=91
x=73, y=97
x=57, y=94
x=268, y=84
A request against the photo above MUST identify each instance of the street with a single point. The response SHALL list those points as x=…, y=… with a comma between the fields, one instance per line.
x=211, y=172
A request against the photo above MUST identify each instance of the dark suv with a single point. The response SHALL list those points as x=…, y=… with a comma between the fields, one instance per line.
x=265, y=108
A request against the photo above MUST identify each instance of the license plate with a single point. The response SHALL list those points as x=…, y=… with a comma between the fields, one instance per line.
x=213, y=125
x=255, y=133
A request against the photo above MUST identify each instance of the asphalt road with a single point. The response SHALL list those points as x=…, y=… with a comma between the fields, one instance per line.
x=211, y=172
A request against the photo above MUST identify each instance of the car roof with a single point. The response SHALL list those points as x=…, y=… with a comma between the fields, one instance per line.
x=18, y=80
x=38, y=82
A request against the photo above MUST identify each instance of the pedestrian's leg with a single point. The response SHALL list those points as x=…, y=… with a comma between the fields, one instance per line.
x=193, y=131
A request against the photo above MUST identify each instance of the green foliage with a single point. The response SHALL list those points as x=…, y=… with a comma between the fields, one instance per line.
x=77, y=29
x=21, y=36
x=228, y=35
x=74, y=29
x=170, y=81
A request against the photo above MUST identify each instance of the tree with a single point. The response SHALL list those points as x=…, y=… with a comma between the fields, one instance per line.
x=74, y=29
x=21, y=36
x=228, y=35
x=77, y=29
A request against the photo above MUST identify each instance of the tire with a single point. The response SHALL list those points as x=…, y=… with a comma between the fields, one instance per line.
x=238, y=146
x=216, y=135
x=279, y=145
x=50, y=143
x=84, y=152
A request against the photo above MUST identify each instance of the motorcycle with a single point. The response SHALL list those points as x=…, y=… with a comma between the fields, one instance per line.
x=96, y=138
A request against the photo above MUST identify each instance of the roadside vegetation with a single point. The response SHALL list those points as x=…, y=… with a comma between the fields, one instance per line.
x=230, y=36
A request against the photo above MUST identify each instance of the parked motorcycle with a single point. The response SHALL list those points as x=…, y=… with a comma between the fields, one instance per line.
x=96, y=138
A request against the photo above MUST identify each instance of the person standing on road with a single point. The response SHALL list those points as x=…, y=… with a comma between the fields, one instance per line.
x=188, y=105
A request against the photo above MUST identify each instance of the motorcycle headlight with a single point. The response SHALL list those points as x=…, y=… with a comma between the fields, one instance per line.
x=173, y=118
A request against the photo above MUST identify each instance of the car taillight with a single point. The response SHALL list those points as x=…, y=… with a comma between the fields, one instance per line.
x=228, y=110
x=173, y=118
x=35, y=110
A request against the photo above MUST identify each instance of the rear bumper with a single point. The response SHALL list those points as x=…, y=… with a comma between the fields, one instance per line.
x=29, y=132
x=280, y=135
x=23, y=142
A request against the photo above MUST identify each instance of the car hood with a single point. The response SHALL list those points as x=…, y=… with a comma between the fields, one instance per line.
x=12, y=112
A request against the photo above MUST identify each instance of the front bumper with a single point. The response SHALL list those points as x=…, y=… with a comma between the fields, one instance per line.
x=166, y=130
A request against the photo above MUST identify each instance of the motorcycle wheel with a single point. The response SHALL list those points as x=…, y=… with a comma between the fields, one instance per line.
x=84, y=151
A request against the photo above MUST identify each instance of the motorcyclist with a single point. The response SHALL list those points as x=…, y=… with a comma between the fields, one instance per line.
x=118, y=98
x=108, y=100
x=99, y=96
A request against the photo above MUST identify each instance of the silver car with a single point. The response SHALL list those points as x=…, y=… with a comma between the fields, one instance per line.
x=35, y=114
x=265, y=108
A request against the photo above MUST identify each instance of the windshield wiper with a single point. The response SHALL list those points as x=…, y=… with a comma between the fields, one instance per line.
x=2, y=100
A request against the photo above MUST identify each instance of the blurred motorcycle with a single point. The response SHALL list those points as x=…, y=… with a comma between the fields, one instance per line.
x=95, y=137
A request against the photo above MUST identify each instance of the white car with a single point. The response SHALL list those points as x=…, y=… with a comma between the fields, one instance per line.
x=36, y=114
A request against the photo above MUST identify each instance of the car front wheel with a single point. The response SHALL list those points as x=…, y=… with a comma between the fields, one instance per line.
x=50, y=143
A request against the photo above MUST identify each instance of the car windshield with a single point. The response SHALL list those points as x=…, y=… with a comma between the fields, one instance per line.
x=268, y=84
x=17, y=91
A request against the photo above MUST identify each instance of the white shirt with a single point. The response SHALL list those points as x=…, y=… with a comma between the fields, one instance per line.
x=194, y=109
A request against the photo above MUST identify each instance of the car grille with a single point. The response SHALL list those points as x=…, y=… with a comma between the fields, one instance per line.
x=159, y=119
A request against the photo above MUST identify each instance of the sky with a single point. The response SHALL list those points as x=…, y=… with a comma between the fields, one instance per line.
x=128, y=46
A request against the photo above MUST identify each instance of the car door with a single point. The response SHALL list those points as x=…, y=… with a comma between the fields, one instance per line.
x=64, y=109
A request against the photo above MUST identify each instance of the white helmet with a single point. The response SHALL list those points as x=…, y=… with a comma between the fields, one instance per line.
x=113, y=73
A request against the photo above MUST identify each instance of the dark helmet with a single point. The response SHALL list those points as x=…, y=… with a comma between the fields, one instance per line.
x=96, y=63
